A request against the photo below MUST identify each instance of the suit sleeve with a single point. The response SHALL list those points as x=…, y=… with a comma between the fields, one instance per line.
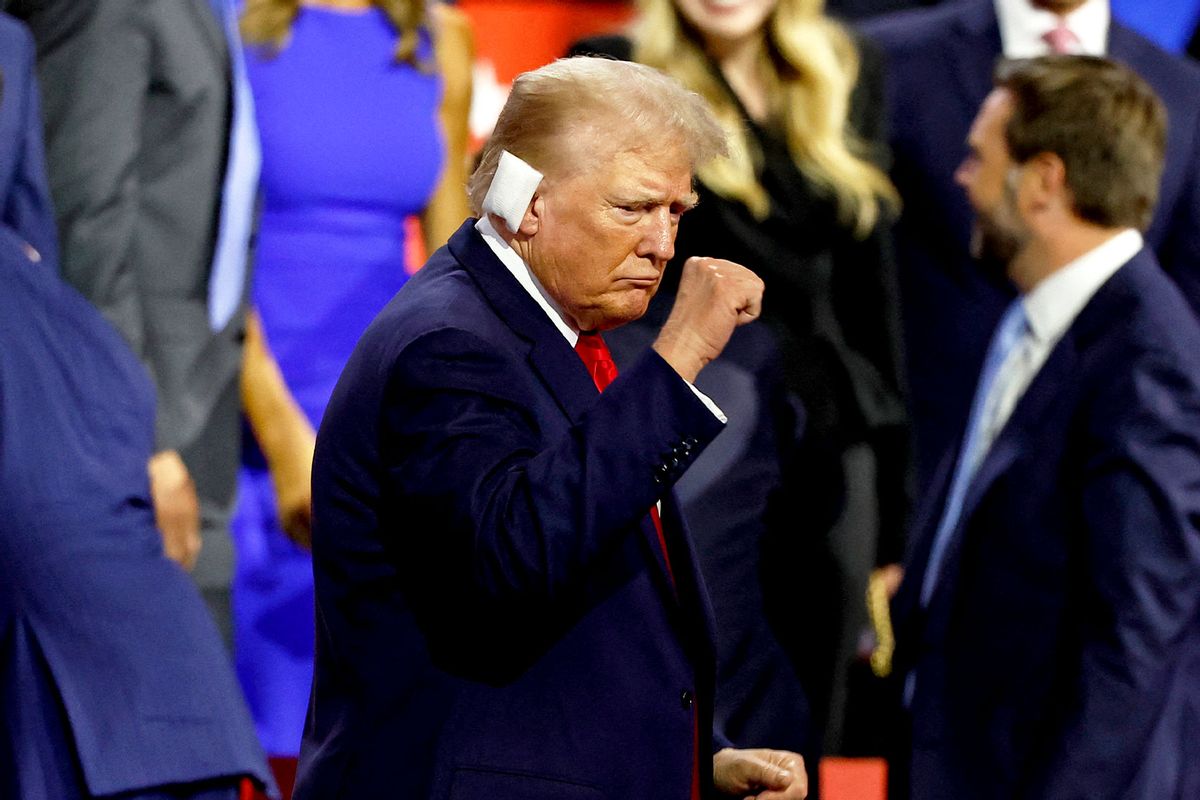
x=27, y=208
x=526, y=515
x=1141, y=505
x=96, y=82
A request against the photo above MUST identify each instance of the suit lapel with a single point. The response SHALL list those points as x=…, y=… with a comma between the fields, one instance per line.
x=550, y=356
x=925, y=524
x=974, y=48
x=1019, y=433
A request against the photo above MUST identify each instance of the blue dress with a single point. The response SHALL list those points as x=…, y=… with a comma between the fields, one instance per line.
x=351, y=147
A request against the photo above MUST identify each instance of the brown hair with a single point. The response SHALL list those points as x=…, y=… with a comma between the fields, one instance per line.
x=268, y=23
x=636, y=105
x=1104, y=122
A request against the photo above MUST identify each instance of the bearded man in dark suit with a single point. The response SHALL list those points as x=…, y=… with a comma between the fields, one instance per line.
x=1048, y=625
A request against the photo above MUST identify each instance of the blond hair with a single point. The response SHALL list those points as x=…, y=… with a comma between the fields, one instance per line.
x=636, y=105
x=811, y=66
x=268, y=23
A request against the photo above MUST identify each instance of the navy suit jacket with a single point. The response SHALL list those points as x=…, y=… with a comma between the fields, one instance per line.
x=940, y=63
x=494, y=615
x=89, y=605
x=25, y=206
x=1059, y=654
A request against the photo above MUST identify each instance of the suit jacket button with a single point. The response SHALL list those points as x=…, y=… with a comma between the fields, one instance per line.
x=687, y=699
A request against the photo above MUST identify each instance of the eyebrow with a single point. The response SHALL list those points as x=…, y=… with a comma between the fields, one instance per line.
x=688, y=202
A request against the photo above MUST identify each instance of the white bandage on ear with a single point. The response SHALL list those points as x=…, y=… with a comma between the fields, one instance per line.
x=512, y=188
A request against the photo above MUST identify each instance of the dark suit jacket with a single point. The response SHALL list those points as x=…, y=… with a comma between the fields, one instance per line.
x=494, y=615
x=88, y=603
x=24, y=197
x=940, y=65
x=1059, y=655
x=136, y=100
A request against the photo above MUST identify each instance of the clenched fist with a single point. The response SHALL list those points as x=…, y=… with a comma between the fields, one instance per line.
x=714, y=297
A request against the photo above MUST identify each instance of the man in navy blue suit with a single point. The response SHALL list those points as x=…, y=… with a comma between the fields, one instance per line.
x=113, y=680
x=503, y=609
x=1048, y=624
x=939, y=70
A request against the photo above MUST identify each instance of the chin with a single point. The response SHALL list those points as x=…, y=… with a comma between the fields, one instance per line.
x=618, y=315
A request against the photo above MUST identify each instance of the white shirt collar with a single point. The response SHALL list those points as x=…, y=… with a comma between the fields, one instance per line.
x=520, y=270
x=1052, y=305
x=1022, y=27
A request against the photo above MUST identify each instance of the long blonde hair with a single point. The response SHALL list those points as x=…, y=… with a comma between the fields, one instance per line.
x=811, y=65
x=269, y=23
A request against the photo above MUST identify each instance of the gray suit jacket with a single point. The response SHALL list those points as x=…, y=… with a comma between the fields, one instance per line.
x=137, y=107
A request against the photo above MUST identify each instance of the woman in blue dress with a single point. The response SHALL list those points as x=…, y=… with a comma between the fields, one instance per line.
x=362, y=109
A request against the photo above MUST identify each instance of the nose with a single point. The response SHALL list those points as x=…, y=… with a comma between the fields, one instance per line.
x=962, y=175
x=658, y=236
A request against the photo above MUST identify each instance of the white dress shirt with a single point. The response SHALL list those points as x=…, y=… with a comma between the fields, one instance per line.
x=1050, y=307
x=1022, y=27
x=520, y=270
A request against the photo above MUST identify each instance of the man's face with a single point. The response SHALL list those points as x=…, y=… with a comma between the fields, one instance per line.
x=608, y=230
x=988, y=174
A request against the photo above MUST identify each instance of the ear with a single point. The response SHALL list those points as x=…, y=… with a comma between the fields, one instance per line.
x=531, y=223
x=1049, y=187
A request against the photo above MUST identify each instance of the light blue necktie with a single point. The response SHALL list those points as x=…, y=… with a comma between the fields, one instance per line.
x=227, y=279
x=1011, y=329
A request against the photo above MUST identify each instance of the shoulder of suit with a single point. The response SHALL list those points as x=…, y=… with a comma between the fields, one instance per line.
x=912, y=29
x=1136, y=47
x=1156, y=316
x=1176, y=79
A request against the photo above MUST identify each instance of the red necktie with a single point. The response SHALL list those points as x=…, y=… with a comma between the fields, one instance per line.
x=1061, y=39
x=600, y=365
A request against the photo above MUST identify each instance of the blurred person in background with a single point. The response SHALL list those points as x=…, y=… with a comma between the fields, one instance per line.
x=939, y=64
x=112, y=677
x=788, y=525
x=153, y=167
x=362, y=108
